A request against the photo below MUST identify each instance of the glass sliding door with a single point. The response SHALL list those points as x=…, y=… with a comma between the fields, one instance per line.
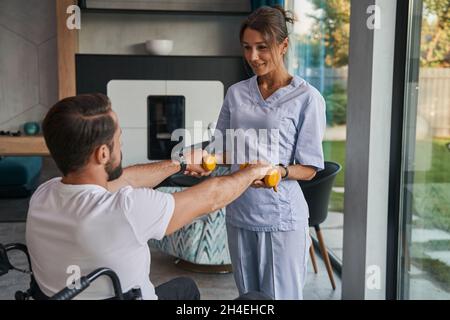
x=319, y=47
x=424, y=233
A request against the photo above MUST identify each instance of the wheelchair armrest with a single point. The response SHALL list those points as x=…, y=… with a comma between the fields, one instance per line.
x=69, y=293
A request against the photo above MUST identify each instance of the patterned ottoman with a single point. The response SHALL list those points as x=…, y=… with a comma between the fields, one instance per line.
x=203, y=242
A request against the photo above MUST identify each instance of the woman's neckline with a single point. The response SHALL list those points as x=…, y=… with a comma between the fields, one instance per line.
x=275, y=92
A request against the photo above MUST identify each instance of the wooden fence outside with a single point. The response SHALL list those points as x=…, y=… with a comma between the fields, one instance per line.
x=433, y=95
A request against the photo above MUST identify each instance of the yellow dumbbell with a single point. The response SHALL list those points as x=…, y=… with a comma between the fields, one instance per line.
x=209, y=162
x=271, y=179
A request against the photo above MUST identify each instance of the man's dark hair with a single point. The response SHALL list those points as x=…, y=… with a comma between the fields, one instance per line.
x=75, y=126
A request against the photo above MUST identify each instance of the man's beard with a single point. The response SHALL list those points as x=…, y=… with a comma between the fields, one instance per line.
x=114, y=173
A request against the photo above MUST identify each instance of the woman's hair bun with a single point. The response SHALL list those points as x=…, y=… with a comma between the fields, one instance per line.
x=289, y=17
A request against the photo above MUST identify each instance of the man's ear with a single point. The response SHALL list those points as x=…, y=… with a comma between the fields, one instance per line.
x=102, y=154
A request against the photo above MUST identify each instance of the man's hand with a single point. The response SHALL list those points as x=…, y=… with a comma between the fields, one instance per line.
x=194, y=159
x=259, y=169
x=261, y=184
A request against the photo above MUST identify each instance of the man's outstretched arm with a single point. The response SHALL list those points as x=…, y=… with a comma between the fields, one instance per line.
x=145, y=175
x=149, y=175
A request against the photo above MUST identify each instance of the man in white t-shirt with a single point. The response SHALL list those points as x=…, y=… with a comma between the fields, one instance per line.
x=98, y=215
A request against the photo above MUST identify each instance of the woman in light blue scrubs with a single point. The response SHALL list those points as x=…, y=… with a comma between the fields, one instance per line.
x=268, y=233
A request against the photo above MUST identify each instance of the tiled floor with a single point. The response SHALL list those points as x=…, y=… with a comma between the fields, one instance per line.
x=212, y=286
x=333, y=233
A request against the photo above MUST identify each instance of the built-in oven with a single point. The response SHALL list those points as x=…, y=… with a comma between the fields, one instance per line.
x=165, y=115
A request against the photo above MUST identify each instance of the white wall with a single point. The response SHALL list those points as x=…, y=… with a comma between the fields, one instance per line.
x=367, y=154
x=379, y=150
x=28, y=65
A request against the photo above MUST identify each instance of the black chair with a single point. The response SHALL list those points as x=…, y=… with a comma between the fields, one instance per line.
x=317, y=194
x=66, y=293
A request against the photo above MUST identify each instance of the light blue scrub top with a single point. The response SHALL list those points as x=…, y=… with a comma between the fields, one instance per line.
x=298, y=111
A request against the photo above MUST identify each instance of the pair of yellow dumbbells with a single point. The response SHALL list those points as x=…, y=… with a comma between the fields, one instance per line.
x=271, y=179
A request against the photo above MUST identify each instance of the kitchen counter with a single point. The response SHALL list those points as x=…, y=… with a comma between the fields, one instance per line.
x=23, y=146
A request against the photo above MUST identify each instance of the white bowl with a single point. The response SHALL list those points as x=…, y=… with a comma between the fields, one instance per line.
x=159, y=47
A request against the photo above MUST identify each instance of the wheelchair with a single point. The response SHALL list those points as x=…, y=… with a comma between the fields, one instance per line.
x=66, y=293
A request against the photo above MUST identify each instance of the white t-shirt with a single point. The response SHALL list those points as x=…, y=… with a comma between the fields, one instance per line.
x=90, y=227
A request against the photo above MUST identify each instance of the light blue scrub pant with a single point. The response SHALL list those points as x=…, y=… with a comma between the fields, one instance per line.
x=274, y=263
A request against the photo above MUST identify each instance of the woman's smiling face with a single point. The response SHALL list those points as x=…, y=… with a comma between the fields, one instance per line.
x=261, y=58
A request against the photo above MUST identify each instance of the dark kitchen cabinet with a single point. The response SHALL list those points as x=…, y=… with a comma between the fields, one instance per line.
x=94, y=71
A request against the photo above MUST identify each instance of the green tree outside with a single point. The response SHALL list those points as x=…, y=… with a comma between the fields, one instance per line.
x=435, y=38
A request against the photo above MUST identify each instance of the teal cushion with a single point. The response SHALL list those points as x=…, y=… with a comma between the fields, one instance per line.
x=16, y=171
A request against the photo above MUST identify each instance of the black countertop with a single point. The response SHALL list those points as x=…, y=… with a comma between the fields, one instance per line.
x=181, y=180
